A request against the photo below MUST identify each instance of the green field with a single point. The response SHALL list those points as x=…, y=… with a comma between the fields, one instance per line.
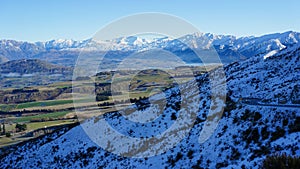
x=5, y=141
x=37, y=125
x=43, y=103
x=41, y=116
x=7, y=107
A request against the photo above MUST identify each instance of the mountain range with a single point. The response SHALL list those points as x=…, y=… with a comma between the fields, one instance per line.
x=229, y=48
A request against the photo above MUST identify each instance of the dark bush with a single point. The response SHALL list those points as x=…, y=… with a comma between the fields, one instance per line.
x=100, y=97
x=235, y=155
x=178, y=156
x=255, y=135
x=230, y=105
x=190, y=154
x=281, y=162
x=263, y=150
x=246, y=115
x=21, y=127
x=295, y=126
x=222, y=165
x=257, y=116
x=265, y=133
x=250, y=135
x=173, y=116
x=7, y=134
x=278, y=133
x=285, y=122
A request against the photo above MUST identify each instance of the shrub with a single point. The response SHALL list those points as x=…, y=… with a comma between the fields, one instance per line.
x=295, y=127
x=285, y=122
x=281, y=162
x=190, y=154
x=257, y=116
x=224, y=128
x=21, y=127
x=235, y=120
x=278, y=133
x=173, y=116
x=246, y=115
x=7, y=134
x=255, y=135
x=100, y=97
x=199, y=120
x=230, y=105
x=235, y=154
x=250, y=135
x=196, y=167
x=263, y=150
x=265, y=133
x=222, y=165
x=178, y=156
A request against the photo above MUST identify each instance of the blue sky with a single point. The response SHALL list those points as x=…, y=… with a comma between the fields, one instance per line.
x=38, y=20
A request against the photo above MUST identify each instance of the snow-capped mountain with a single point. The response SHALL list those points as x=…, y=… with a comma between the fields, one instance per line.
x=230, y=48
x=248, y=131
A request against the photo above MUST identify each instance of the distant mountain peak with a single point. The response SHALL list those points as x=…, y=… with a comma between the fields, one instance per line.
x=230, y=48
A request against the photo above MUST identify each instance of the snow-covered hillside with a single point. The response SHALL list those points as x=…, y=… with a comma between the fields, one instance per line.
x=246, y=133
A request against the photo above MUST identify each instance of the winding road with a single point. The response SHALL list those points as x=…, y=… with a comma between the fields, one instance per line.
x=256, y=102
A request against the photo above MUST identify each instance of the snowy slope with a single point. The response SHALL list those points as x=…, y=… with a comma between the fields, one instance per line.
x=245, y=135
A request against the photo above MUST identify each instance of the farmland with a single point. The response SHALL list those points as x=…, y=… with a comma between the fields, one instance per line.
x=41, y=107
